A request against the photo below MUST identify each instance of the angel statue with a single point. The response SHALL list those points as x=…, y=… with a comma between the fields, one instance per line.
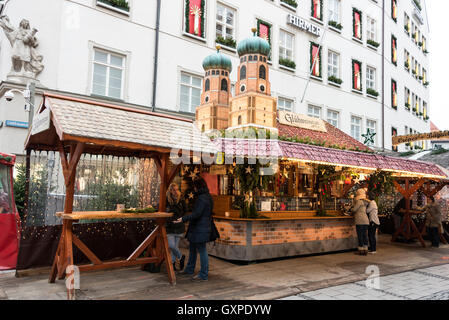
x=26, y=61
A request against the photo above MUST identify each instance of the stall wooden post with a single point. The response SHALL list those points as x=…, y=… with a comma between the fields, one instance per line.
x=408, y=221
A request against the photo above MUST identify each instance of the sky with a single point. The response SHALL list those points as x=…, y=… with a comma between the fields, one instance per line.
x=438, y=55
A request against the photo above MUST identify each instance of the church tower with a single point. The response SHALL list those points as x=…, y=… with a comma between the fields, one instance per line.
x=213, y=112
x=253, y=105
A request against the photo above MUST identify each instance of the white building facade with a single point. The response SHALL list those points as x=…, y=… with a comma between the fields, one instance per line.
x=96, y=49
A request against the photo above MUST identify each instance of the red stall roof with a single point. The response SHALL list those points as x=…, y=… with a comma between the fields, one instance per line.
x=7, y=159
x=315, y=154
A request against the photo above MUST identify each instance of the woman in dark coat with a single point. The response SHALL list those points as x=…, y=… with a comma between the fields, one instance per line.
x=175, y=231
x=198, y=232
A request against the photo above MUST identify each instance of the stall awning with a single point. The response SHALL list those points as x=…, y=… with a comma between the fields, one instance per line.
x=315, y=154
x=110, y=128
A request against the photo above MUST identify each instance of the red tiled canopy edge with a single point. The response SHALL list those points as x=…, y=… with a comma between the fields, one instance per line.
x=332, y=137
x=305, y=152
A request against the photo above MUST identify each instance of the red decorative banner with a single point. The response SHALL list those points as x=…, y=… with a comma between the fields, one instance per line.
x=316, y=9
x=357, y=25
x=394, y=94
x=357, y=76
x=316, y=57
x=195, y=17
x=264, y=31
x=394, y=10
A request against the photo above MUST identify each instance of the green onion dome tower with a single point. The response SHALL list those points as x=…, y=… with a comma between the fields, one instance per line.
x=214, y=108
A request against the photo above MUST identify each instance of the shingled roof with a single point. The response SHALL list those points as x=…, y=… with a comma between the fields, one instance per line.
x=305, y=152
x=108, y=125
x=333, y=136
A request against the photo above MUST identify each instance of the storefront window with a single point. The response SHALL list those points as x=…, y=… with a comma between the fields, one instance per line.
x=5, y=190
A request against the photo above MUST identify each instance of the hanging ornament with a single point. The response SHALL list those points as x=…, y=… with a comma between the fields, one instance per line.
x=248, y=170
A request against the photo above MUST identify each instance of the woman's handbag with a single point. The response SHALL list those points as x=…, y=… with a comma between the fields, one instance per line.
x=214, y=234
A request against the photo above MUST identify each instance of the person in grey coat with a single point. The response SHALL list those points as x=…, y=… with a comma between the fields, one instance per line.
x=374, y=223
x=361, y=221
x=433, y=222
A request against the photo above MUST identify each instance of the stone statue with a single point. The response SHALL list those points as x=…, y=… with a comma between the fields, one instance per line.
x=26, y=61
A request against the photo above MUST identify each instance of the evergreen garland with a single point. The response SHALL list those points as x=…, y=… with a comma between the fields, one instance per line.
x=6, y=159
x=187, y=16
x=312, y=44
x=203, y=17
x=354, y=61
x=354, y=11
x=380, y=183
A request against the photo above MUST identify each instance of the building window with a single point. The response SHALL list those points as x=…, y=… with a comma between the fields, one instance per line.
x=262, y=72
x=394, y=133
x=286, y=45
x=243, y=73
x=407, y=26
x=108, y=74
x=314, y=111
x=356, y=75
x=195, y=18
x=371, y=32
x=207, y=85
x=190, y=96
x=394, y=50
x=224, y=85
x=264, y=31
x=394, y=94
x=356, y=128
x=332, y=117
x=334, y=10
x=371, y=78
x=333, y=67
x=285, y=104
x=372, y=126
x=225, y=25
x=315, y=59
x=317, y=9
x=408, y=99
x=394, y=10
x=356, y=24
x=407, y=60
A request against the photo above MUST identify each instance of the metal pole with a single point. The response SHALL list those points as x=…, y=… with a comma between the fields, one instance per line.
x=32, y=88
x=313, y=66
x=383, y=75
x=156, y=53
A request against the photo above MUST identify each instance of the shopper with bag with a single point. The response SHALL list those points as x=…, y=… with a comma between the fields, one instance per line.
x=199, y=230
x=361, y=221
x=433, y=222
x=374, y=223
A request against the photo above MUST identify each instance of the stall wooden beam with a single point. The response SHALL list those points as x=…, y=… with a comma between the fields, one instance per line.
x=411, y=231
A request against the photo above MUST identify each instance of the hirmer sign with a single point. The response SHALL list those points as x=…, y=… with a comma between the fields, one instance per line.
x=303, y=24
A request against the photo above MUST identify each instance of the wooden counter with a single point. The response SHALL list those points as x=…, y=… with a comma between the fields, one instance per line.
x=100, y=215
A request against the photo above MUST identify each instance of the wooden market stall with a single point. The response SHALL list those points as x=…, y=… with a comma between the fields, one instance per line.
x=293, y=217
x=73, y=127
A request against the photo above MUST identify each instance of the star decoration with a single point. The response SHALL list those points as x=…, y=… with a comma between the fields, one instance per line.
x=249, y=170
x=191, y=195
x=369, y=136
x=193, y=175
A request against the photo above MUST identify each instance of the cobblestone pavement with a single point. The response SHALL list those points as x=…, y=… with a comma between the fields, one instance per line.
x=422, y=284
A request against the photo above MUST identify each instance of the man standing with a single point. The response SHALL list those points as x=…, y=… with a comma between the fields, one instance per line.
x=433, y=222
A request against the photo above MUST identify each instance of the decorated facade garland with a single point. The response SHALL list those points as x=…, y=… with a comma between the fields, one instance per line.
x=312, y=57
x=313, y=9
x=6, y=159
x=268, y=25
x=394, y=10
x=394, y=94
x=394, y=50
x=187, y=16
x=354, y=12
x=380, y=183
x=354, y=85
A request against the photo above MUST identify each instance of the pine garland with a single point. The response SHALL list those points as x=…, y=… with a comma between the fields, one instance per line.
x=6, y=159
x=187, y=15
x=312, y=44
x=354, y=11
x=203, y=17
